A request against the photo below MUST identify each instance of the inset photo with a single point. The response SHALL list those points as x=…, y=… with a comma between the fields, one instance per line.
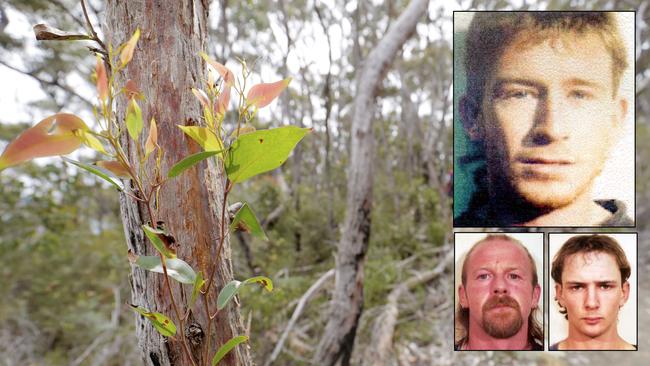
x=593, y=280
x=499, y=297
x=544, y=119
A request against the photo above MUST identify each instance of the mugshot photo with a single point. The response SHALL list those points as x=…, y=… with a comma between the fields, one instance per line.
x=544, y=119
x=593, y=282
x=499, y=291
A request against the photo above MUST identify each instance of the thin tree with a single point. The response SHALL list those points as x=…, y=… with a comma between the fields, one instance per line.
x=347, y=303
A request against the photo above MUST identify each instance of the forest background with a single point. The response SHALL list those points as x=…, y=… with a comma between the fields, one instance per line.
x=64, y=270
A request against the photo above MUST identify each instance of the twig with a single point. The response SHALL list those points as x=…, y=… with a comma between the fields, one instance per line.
x=55, y=83
x=91, y=28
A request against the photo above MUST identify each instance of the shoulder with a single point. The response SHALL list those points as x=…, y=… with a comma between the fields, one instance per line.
x=618, y=212
x=474, y=217
x=554, y=347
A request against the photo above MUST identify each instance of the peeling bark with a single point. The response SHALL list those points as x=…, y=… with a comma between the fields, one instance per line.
x=347, y=304
x=165, y=66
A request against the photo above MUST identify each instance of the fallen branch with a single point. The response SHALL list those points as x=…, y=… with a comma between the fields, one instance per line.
x=383, y=329
x=297, y=312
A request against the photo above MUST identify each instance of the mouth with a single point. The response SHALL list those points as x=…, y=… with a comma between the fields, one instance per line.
x=592, y=320
x=544, y=160
x=501, y=307
x=544, y=168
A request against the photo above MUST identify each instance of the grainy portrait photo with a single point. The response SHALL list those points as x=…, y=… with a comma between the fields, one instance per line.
x=544, y=119
x=499, y=291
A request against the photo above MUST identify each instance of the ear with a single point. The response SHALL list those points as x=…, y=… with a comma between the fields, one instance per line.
x=469, y=115
x=622, y=110
x=462, y=297
x=536, y=294
x=626, y=293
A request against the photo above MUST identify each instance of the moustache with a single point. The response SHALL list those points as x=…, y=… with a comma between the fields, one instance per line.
x=501, y=300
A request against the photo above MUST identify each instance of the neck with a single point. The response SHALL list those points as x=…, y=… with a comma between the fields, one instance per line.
x=607, y=340
x=515, y=211
x=583, y=212
x=479, y=340
x=597, y=343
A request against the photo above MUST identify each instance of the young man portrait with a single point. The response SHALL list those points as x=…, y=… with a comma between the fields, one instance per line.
x=592, y=275
x=498, y=292
x=543, y=109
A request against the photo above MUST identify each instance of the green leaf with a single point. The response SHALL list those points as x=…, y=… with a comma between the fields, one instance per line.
x=232, y=288
x=176, y=268
x=203, y=136
x=260, y=151
x=198, y=283
x=162, y=323
x=158, y=239
x=104, y=174
x=223, y=350
x=91, y=141
x=227, y=293
x=245, y=220
x=134, y=123
x=189, y=162
x=262, y=281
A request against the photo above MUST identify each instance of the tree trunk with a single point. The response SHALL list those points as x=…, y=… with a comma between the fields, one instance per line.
x=166, y=64
x=347, y=304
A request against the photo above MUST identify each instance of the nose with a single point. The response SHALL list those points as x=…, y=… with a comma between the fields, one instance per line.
x=499, y=286
x=549, y=123
x=592, y=302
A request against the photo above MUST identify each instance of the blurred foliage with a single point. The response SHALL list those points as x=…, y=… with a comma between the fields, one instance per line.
x=63, y=262
x=61, y=241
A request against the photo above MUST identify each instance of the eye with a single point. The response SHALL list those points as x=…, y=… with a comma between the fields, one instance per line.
x=606, y=286
x=514, y=276
x=483, y=276
x=575, y=287
x=580, y=94
x=515, y=93
x=518, y=94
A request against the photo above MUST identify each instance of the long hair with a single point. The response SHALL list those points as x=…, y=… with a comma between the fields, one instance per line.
x=535, y=329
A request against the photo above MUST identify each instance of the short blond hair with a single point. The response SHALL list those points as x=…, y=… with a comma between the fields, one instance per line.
x=491, y=32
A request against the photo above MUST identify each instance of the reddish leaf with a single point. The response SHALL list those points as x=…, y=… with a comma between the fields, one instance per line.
x=129, y=48
x=202, y=97
x=51, y=136
x=262, y=94
x=102, y=81
x=152, y=140
x=222, y=102
x=115, y=167
x=225, y=72
x=131, y=90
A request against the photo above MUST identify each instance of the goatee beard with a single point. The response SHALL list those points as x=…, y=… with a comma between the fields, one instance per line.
x=504, y=324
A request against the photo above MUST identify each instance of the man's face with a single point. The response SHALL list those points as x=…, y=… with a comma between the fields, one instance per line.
x=592, y=293
x=549, y=117
x=498, y=290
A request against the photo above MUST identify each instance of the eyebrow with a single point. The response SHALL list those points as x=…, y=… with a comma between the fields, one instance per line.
x=605, y=282
x=583, y=82
x=507, y=269
x=500, y=82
